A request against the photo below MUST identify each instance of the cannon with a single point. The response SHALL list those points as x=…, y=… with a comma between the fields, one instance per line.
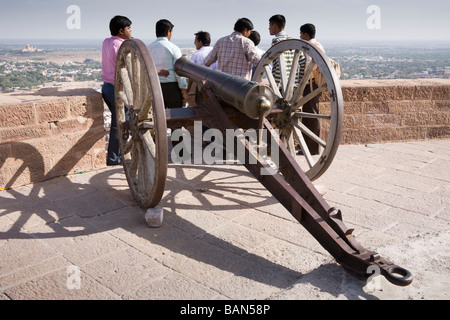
x=225, y=103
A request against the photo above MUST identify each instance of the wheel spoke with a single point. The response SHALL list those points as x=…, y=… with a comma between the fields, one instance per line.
x=304, y=147
x=304, y=81
x=149, y=142
x=136, y=81
x=300, y=114
x=288, y=139
x=124, y=98
x=272, y=83
x=145, y=112
x=135, y=156
x=128, y=146
x=142, y=173
x=309, y=97
x=146, y=125
x=283, y=72
x=292, y=76
x=150, y=165
x=126, y=85
x=129, y=68
x=309, y=133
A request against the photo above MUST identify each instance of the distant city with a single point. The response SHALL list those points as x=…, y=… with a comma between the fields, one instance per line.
x=27, y=65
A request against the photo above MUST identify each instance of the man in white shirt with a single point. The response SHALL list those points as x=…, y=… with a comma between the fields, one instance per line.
x=202, y=44
x=164, y=54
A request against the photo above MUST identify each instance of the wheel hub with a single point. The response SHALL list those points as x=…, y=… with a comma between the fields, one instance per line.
x=283, y=119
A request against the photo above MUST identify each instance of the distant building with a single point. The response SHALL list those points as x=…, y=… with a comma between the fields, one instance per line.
x=447, y=72
x=29, y=48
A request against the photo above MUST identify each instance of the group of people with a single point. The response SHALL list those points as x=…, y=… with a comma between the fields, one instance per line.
x=236, y=54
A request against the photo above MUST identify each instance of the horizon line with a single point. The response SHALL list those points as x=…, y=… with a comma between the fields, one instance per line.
x=190, y=39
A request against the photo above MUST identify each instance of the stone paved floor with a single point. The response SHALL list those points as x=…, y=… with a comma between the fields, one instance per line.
x=225, y=237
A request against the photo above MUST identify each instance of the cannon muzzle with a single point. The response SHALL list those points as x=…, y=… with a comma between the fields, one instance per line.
x=251, y=98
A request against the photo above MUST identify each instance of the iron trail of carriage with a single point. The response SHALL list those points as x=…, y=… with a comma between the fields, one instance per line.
x=226, y=102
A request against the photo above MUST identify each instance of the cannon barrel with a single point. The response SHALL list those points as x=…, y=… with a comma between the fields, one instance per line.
x=251, y=98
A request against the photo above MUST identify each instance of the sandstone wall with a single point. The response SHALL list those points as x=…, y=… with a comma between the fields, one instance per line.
x=54, y=134
x=395, y=110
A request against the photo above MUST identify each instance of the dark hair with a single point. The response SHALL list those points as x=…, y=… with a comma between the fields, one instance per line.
x=163, y=27
x=242, y=24
x=279, y=20
x=310, y=29
x=255, y=37
x=204, y=37
x=117, y=23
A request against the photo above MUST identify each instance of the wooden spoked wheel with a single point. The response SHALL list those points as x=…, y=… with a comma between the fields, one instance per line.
x=141, y=123
x=292, y=94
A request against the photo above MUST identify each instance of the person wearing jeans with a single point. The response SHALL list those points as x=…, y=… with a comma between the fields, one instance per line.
x=120, y=28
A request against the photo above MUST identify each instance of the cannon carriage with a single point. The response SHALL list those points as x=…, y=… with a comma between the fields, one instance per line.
x=230, y=104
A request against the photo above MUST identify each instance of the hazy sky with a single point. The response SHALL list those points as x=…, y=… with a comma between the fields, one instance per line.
x=335, y=19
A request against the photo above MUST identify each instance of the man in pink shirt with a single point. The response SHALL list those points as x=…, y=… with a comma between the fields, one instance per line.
x=120, y=28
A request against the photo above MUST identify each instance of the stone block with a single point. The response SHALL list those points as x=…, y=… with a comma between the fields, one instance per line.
x=442, y=105
x=72, y=125
x=22, y=133
x=95, y=104
x=406, y=106
x=382, y=93
x=415, y=119
x=52, y=110
x=352, y=94
x=376, y=107
x=405, y=92
x=353, y=107
x=438, y=132
x=441, y=93
x=423, y=92
x=355, y=120
x=383, y=119
x=154, y=217
x=17, y=115
x=438, y=118
x=78, y=106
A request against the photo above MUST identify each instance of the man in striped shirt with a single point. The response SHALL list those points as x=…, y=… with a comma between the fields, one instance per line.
x=235, y=54
x=277, y=24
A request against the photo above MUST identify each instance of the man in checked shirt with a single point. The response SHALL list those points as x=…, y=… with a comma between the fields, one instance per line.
x=235, y=54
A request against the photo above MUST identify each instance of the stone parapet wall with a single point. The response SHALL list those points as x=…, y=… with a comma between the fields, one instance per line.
x=51, y=134
x=377, y=111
